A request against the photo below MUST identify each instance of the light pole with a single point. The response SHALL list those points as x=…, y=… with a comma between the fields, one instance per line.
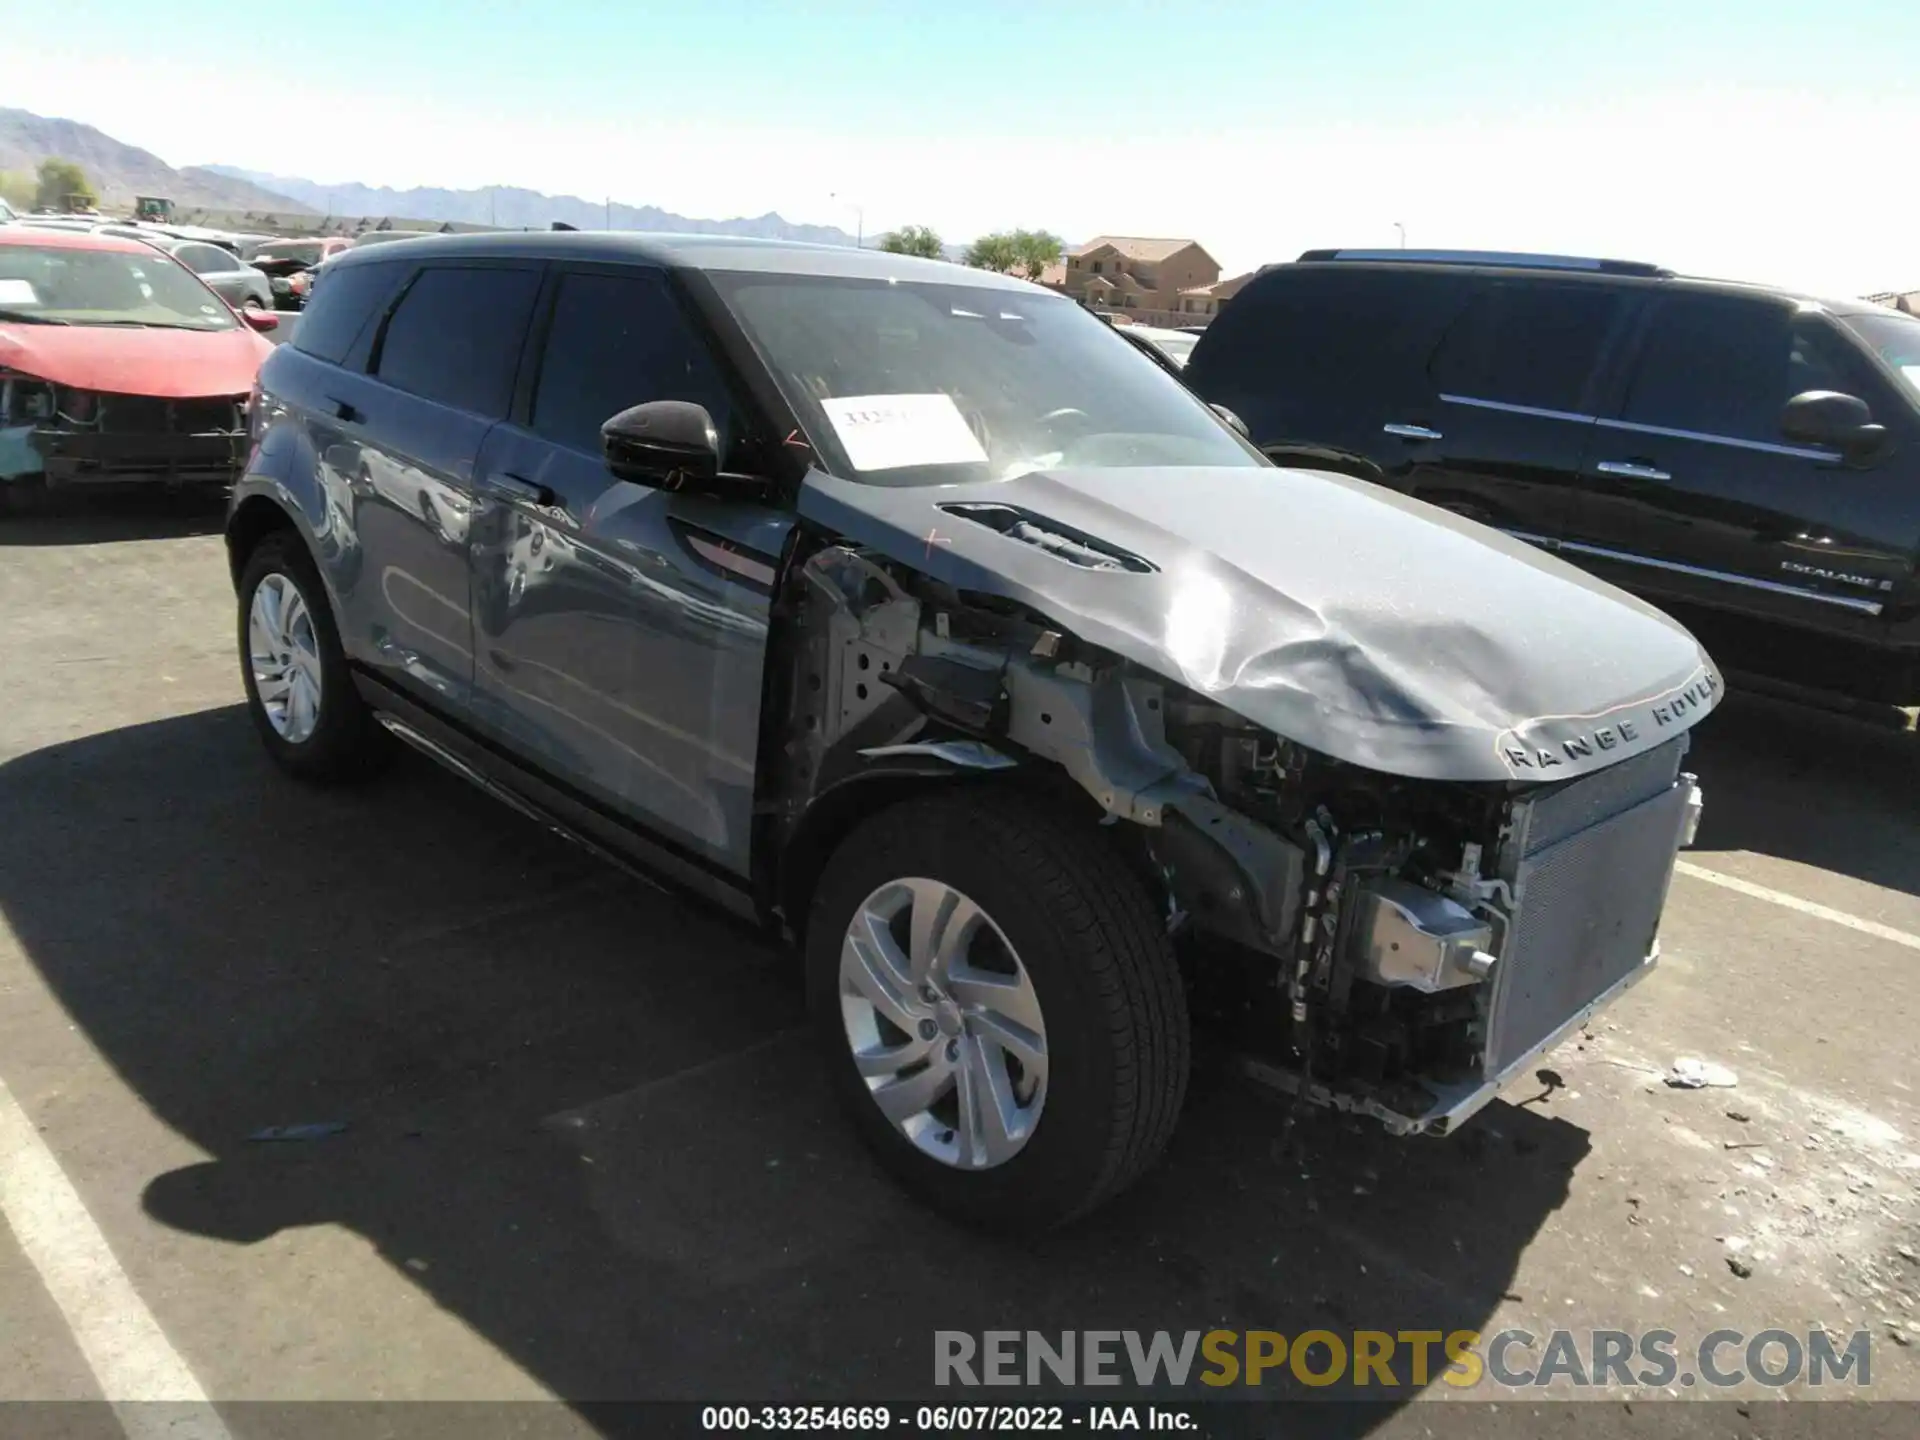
x=1403, y=233
x=859, y=220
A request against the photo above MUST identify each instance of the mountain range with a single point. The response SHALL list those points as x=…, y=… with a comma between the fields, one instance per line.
x=120, y=171
x=518, y=208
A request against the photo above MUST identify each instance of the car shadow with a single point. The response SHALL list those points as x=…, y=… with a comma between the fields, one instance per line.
x=581, y=1117
x=98, y=515
x=1828, y=789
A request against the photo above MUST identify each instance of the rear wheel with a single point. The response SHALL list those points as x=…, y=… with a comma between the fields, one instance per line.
x=999, y=1007
x=299, y=691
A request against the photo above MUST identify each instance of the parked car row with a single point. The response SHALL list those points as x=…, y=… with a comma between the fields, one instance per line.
x=905, y=610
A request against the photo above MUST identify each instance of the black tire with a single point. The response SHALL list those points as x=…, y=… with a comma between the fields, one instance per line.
x=1101, y=965
x=347, y=744
x=24, y=495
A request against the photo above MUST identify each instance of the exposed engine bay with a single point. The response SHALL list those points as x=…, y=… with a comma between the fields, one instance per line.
x=1394, y=946
x=71, y=435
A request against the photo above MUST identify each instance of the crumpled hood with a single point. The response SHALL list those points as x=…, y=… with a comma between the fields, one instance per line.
x=1359, y=622
x=168, y=364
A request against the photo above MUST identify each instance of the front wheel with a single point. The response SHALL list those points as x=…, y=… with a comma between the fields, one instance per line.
x=999, y=1007
x=299, y=691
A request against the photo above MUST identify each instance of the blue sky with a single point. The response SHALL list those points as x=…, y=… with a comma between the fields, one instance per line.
x=1770, y=140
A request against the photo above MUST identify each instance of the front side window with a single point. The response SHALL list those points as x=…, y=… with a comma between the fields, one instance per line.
x=64, y=285
x=1526, y=344
x=455, y=336
x=1725, y=366
x=617, y=341
x=928, y=384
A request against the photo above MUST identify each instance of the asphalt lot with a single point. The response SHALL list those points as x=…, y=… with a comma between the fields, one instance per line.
x=588, y=1155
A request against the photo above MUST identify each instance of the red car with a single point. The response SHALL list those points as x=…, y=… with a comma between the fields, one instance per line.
x=117, y=364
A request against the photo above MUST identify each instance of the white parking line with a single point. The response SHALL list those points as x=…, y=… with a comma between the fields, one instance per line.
x=1805, y=907
x=153, y=1392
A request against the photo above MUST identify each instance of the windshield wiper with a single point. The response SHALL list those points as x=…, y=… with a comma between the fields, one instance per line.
x=28, y=317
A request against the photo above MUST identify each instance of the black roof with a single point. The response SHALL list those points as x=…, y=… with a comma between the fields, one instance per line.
x=1559, y=267
x=687, y=252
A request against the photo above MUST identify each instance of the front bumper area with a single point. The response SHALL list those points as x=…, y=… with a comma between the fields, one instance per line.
x=90, y=438
x=1580, y=881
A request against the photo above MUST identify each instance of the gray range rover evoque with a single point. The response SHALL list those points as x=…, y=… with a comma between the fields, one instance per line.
x=914, y=613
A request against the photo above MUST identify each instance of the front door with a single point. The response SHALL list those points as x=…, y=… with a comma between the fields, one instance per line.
x=620, y=630
x=1696, y=495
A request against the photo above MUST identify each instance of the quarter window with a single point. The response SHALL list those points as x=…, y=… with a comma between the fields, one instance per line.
x=341, y=307
x=1526, y=344
x=618, y=341
x=455, y=337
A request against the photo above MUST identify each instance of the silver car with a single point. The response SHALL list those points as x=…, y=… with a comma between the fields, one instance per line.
x=226, y=274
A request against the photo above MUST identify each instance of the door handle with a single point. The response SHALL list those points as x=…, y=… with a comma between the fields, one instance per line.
x=1413, y=432
x=518, y=487
x=345, y=412
x=1628, y=470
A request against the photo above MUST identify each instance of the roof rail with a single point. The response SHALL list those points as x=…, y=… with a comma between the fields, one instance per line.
x=1511, y=259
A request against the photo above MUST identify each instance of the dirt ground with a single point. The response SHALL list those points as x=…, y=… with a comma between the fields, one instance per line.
x=588, y=1156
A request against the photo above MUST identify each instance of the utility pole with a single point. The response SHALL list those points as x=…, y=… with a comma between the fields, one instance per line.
x=1403, y=233
x=859, y=221
x=609, y=212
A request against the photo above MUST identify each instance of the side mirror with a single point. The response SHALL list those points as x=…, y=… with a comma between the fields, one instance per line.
x=1234, y=420
x=261, y=320
x=1829, y=418
x=658, y=440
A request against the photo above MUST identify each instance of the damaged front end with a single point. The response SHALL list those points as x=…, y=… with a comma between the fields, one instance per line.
x=1390, y=945
x=66, y=435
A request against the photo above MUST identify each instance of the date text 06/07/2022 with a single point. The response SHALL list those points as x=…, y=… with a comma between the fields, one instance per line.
x=946, y=1419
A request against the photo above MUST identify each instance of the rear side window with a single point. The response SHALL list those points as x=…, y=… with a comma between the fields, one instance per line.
x=455, y=337
x=1725, y=365
x=1526, y=344
x=616, y=341
x=1322, y=332
x=206, y=259
x=341, y=307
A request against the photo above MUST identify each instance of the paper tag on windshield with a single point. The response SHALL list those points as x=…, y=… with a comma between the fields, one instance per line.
x=17, y=292
x=890, y=432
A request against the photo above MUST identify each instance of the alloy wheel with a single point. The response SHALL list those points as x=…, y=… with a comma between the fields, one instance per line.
x=943, y=1023
x=285, y=657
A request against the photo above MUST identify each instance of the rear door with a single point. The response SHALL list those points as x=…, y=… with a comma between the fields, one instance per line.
x=620, y=630
x=1694, y=494
x=442, y=375
x=1512, y=385
x=1318, y=358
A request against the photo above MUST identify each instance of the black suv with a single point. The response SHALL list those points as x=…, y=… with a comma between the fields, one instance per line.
x=1742, y=456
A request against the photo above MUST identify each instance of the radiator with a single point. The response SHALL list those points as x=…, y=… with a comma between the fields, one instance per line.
x=1589, y=862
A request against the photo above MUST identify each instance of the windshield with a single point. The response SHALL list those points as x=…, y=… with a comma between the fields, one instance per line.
x=1894, y=338
x=60, y=285
x=307, y=252
x=919, y=384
